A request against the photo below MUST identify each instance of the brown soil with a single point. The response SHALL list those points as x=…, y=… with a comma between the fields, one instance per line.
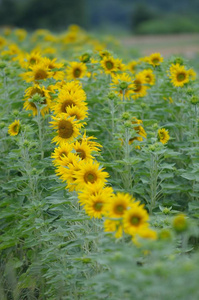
x=179, y=44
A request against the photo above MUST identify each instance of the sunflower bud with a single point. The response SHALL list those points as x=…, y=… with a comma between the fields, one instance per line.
x=85, y=57
x=2, y=125
x=111, y=96
x=178, y=60
x=125, y=116
x=194, y=100
x=2, y=65
x=123, y=85
x=180, y=223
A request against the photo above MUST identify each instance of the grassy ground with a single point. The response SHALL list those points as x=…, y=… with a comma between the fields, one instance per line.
x=184, y=44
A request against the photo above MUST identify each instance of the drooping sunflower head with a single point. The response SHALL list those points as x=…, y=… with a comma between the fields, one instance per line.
x=138, y=129
x=155, y=59
x=140, y=89
x=67, y=128
x=76, y=70
x=14, y=128
x=163, y=135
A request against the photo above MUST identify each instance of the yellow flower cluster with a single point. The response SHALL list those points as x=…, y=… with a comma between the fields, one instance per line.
x=56, y=88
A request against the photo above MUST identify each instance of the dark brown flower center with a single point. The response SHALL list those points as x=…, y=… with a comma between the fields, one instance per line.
x=90, y=177
x=155, y=61
x=81, y=153
x=41, y=74
x=138, y=86
x=181, y=77
x=63, y=154
x=98, y=206
x=109, y=65
x=65, y=104
x=77, y=73
x=65, y=129
x=16, y=128
x=135, y=220
x=119, y=209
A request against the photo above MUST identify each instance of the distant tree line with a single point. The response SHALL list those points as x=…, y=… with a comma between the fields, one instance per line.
x=136, y=15
x=52, y=14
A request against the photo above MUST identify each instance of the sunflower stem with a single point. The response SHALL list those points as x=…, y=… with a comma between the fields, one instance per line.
x=39, y=122
x=153, y=181
x=127, y=181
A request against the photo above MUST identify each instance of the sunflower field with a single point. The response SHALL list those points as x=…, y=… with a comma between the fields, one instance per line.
x=99, y=170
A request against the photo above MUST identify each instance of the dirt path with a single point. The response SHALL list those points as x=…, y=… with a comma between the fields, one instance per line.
x=181, y=44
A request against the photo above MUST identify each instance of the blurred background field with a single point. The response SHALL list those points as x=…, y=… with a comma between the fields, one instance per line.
x=134, y=16
x=166, y=26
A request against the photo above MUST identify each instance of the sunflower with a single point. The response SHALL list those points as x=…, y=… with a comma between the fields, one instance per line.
x=123, y=85
x=163, y=135
x=93, y=145
x=14, y=128
x=31, y=59
x=74, y=87
x=29, y=103
x=38, y=72
x=67, y=128
x=118, y=205
x=76, y=70
x=90, y=172
x=2, y=42
x=135, y=218
x=95, y=206
x=178, y=75
x=113, y=226
x=94, y=189
x=80, y=113
x=192, y=74
x=104, y=53
x=143, y=232
x=120, y=66
x=109, y=64
x=61, y=152
x=140, y=89
x=21, y=34
x=83, y=150
x=155, y=59
x=149, y=76
x=54, y=67
x=132, y=66
x=68, y=173
x=139, y=130
x=66, y=100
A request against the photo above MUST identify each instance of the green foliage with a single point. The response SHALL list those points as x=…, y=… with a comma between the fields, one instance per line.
x=168, y=24
x=49, y=248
